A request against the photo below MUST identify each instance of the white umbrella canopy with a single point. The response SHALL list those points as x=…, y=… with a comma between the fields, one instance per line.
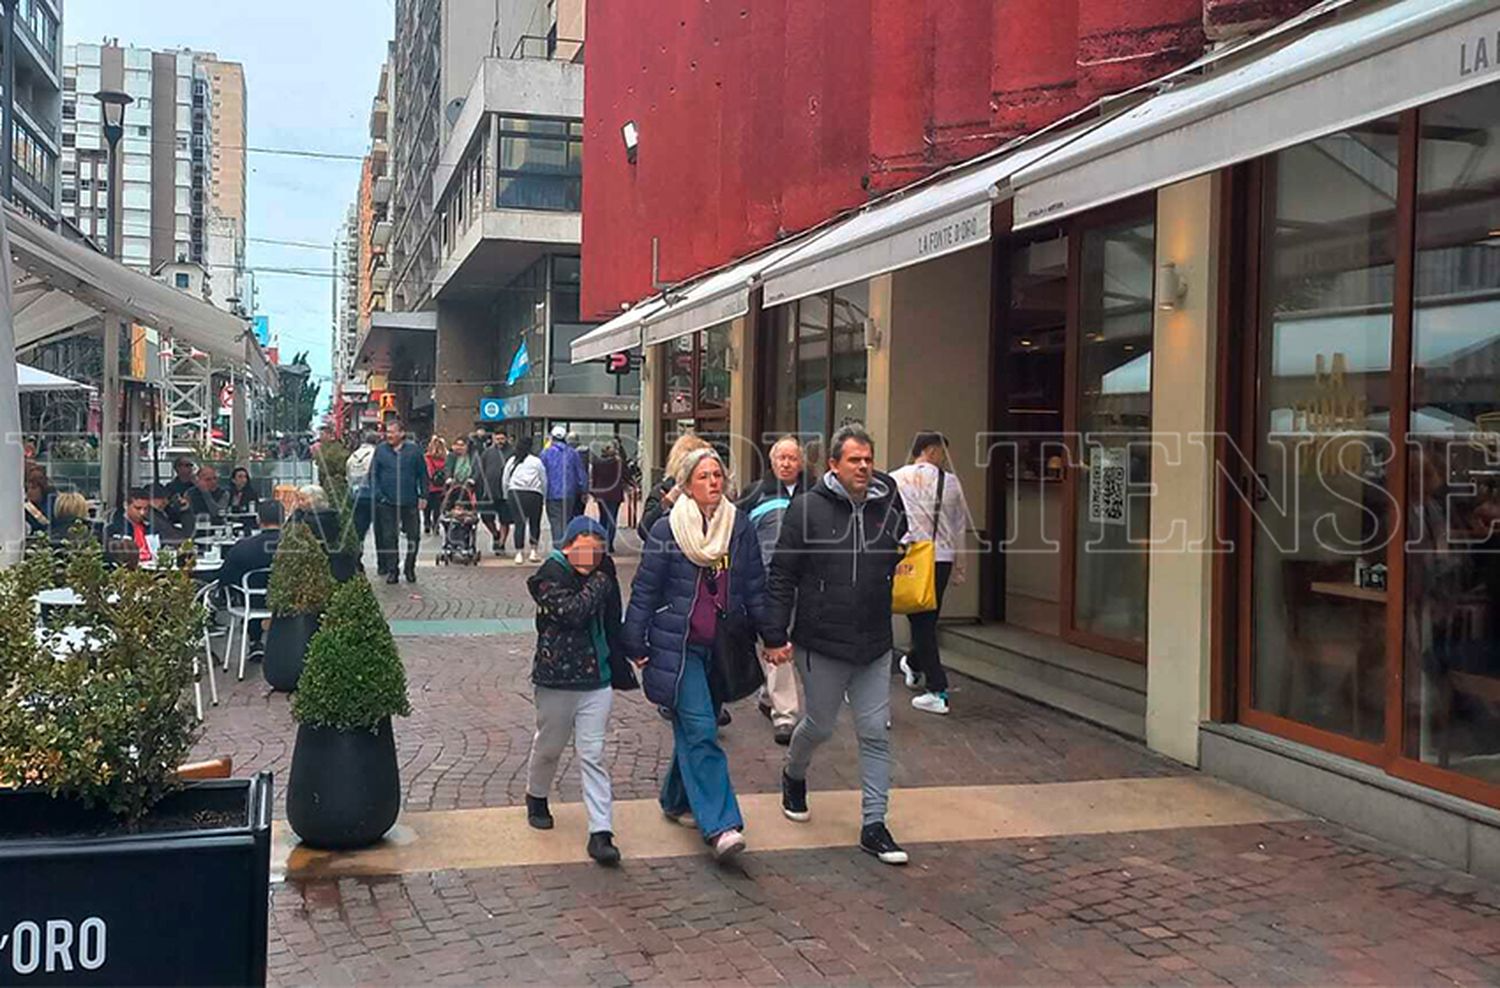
x=31, y=379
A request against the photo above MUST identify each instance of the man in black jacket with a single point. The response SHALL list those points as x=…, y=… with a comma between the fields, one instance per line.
x=252, y=553
x=838, y=549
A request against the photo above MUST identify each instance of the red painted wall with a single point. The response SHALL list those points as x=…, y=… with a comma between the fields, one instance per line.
x=760, y=118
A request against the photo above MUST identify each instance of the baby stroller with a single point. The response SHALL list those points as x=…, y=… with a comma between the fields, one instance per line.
x=460, y=524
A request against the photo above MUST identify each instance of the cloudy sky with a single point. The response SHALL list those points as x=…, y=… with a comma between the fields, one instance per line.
x=310, y=70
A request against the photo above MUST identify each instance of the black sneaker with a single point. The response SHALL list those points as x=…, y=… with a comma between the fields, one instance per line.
x=392, y=577
x=537, y=813
x=875, y=839
x=411, y=574
x=602, y=848
x=794, y=799
x=765, y=709
x=782, y=734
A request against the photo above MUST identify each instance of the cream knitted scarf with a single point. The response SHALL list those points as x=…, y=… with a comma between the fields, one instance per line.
x=704, y=548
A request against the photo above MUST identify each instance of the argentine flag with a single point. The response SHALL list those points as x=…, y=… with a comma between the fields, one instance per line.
x=519, y=365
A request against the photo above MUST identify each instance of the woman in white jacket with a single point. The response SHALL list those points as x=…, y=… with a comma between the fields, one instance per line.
x=936, y=512
x=526, y=485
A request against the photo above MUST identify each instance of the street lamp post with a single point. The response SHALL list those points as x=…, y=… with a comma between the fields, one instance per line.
x=112, y=105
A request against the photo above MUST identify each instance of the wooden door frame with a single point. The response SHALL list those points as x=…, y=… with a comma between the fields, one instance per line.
x=1244, y=202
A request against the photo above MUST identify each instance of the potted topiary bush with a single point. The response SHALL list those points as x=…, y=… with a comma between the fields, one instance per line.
x=345, y=788
x=106, y=856
x=300, y=588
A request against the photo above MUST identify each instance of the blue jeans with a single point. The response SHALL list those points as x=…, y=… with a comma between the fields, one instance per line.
x=608, y=517
x=698, y=779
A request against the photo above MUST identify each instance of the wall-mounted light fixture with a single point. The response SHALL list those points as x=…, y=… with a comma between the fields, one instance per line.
x=631, y=135
x=1171, y=287
x=872, y=333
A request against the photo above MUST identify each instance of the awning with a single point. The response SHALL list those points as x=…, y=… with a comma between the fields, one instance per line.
x=720, y=296
x=623, y=332
x=1358, y=63
x=380, y=338
x=947, y=213
x=30, y=379
x=69, y=276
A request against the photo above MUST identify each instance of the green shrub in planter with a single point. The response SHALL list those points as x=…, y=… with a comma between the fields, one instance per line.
x=345, y=788
x=300, y=588
x=100, y=718
x=354, y=678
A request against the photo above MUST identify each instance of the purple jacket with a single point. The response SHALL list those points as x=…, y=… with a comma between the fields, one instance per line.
x=566, y=477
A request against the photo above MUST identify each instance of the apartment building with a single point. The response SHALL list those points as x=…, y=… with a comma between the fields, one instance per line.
x=33, y=110
x=176, y=201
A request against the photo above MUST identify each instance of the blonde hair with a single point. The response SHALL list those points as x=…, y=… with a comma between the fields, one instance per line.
x=437, y=447
x=70, y=506
x=317, y=498
x=686, y=443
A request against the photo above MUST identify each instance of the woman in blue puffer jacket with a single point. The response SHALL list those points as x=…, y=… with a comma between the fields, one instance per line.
x=702, y=561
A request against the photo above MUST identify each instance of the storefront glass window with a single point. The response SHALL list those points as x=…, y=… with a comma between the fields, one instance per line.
x=1322, y=431
x=1118, y=274
x=780, y=377
x=850, y=369
x=812, y=368
x=1452, y=641
x=713, y=371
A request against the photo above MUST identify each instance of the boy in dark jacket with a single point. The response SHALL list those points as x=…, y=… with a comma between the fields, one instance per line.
x=578, y=618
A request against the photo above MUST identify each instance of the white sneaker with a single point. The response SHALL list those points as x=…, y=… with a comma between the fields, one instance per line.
x=911, y=677
x=520, y=558
x=728, y=844
x=932, y=703
x=534, y=557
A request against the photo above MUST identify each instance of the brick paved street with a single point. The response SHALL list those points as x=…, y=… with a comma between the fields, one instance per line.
x=1280, y=903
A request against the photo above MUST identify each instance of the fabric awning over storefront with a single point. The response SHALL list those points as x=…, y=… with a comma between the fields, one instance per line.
x=70, y=283
x=949, y=212
x=623, y=332
x=33, y=379
x=1356, y=63
x=719, y=297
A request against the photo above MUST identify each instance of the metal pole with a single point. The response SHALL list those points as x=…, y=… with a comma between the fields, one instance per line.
x=114, y=192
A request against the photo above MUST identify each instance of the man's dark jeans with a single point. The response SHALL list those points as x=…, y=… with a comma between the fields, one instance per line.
x=391, y=521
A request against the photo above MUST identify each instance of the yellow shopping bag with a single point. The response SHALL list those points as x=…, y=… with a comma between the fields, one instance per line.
x=914, y=588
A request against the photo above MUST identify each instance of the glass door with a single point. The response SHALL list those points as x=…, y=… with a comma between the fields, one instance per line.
x=1321, y=507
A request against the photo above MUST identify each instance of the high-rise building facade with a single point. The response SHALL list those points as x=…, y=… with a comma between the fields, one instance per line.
x=179, y=198
x=32, y=104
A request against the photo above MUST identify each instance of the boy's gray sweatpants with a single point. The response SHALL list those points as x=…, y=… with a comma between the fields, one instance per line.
x=583, y=715
x=825, y=681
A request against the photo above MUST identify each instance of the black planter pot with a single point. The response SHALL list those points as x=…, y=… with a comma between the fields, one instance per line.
x=177, y=903
x=345, y=788
x=286, y=649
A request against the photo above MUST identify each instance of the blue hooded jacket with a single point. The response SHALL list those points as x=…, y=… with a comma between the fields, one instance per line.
x=566, y=477
x=661, y=604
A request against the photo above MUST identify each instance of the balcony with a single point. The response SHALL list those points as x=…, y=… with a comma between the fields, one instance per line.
x=380, y=190
x=380, y=153
x=380, y=233
x=380, y=278
x=379, y=118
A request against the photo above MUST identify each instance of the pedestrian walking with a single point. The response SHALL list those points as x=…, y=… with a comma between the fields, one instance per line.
x=525, y=482
x=361, y=493
x=936, y=512
x=437, y=482
x=765, y=504
x=494, y=507
x=567, y=481
x=607, y=482
x=664, y=494
x=578, y=666
x=398, y=474
x=834, y=561
x=700, y=583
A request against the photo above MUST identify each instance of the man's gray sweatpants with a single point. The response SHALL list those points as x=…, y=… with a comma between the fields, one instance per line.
x=825, y=682
x=584, y=715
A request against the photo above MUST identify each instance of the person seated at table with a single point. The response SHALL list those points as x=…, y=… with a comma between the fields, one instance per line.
x=208, y=498
x=170, y=519
x=242, y=496
x=131, y=524
x=71, y=509
x=184, y=478
x=251, y=553
x=39, y=501
x=314, y=511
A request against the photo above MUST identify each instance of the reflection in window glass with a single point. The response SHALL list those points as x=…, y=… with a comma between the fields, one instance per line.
x=812, y=368
x=850, y=369
x=1453, y=546
x=1324, y=367
x=1117, y=282
x=713, y=371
